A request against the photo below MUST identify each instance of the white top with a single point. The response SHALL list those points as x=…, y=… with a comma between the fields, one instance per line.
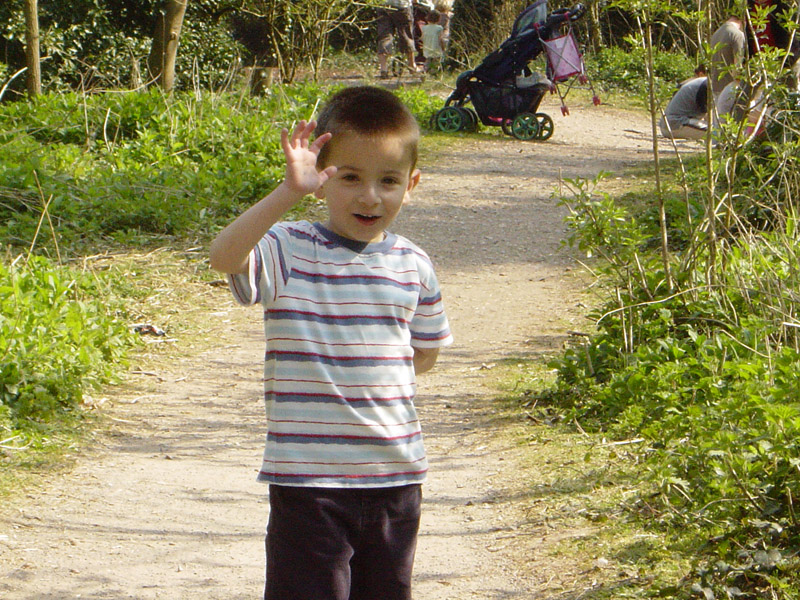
x=431, y=40
x=342, y=319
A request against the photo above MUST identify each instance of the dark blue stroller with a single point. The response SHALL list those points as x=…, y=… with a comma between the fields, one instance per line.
x=502, y=88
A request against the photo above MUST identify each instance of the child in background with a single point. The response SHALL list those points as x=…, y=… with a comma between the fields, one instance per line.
x=352, y=313
x=433, y=41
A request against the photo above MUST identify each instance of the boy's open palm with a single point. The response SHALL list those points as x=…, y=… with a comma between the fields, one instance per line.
x=302, y=176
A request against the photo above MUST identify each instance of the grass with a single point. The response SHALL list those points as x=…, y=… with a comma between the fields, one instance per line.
x=574, y=481
x=582, y=491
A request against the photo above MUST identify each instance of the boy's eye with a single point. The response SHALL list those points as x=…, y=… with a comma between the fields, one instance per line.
x=390, y=180
x=350, y=177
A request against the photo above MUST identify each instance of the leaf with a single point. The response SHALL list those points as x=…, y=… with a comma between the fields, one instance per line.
x=707, y=593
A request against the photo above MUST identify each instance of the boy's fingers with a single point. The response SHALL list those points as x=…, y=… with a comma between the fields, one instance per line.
x=321, y=141
x=297, y=132
x=326, y=174
x=285, y=139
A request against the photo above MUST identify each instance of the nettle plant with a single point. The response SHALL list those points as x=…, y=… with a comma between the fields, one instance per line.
x=697, y=343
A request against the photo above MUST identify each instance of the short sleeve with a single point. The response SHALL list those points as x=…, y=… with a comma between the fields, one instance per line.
x=266, y=270
x=429, y=326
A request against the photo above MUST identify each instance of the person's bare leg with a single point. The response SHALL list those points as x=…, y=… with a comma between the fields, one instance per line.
x=412, y=64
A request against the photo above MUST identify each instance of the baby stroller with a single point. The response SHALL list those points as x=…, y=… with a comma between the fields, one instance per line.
x=502, y=88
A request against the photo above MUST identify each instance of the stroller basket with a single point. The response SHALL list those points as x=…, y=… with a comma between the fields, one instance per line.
x=504, y=102
x=563, y=57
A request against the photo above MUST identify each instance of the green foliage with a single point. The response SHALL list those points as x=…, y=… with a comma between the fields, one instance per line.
x=619, y=68
x=420, y=103
x=702, y=366
x=118, y=166
x=91, y=44
x=718, y=407
x=61, y=334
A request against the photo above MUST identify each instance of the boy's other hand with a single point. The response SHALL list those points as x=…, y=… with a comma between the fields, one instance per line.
x=302, y=176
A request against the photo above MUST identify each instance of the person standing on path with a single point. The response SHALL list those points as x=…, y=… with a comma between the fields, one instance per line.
x=395, y=17
x=432, y=41
x=445, y=10
x=352, y=314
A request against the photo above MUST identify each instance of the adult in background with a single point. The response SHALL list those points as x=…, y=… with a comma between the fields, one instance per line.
x=395, y=17
x=728, y=45
x=774, y=33
x=445, y=9
x=685, y=115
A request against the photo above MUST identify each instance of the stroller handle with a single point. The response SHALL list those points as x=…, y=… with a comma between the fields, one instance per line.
x=576, y=12
x=561, y=15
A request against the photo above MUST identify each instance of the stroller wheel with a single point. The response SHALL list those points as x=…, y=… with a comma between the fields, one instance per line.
x=449, y=119
x=546, y=126
x=506, y=126
x=471, y=122
x=432, y=121
x=525, y=126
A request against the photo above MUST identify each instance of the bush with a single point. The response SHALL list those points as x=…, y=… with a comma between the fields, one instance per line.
x=60, y=335
x=618, y=69
x=708, y=376
x=116, y=165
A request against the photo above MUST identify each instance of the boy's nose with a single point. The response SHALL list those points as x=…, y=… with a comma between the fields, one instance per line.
x=370, y=196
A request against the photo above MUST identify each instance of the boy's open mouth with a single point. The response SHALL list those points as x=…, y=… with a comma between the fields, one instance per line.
x=367, y=219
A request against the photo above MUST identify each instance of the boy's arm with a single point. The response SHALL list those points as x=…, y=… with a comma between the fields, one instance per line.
x=230, y=249
x=424, y=359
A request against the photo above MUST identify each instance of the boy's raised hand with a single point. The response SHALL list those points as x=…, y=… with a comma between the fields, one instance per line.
x=302, y=176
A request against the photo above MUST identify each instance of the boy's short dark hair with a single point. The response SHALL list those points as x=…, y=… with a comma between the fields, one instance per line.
x=369, y=111
x=433, y=16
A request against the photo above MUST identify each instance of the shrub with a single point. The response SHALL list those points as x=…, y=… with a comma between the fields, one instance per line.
x=620, y=69
x=707, y=374
x=115, y=164
x=61, y=334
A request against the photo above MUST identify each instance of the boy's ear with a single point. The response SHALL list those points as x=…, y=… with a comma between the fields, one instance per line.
x=413, y=181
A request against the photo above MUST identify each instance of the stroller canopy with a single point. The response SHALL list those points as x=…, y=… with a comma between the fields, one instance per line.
x=535, y=14
x=531, y=26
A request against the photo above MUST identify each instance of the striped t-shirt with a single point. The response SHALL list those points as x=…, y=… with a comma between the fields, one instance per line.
x=341, y=319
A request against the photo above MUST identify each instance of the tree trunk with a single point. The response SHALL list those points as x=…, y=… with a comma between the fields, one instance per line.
x=161, y=62
x=595, y=27
x=34, y=79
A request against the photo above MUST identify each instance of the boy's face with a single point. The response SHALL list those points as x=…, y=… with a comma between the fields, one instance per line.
x=373, y=181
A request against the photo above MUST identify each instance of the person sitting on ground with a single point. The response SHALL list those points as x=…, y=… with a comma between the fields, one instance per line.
x=685, y=115
x=432, y=41
x=352, y=315
x=728, y=44
x=395, y=16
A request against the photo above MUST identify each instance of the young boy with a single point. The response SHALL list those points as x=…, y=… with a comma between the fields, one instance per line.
x=432, y=41
x=352, y=313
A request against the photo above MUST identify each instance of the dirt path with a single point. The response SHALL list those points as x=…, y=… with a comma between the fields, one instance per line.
x=168, y=507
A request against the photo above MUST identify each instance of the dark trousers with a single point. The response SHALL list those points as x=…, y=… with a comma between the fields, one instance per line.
x=341, y=544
